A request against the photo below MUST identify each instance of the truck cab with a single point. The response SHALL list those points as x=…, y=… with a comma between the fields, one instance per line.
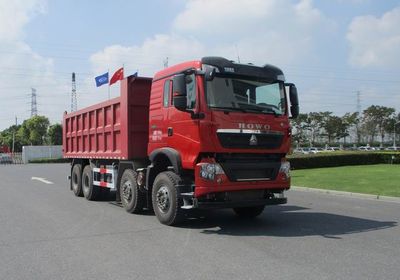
x=224, y=129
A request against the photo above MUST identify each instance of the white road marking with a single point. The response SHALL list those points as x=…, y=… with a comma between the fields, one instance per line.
x=43, y=180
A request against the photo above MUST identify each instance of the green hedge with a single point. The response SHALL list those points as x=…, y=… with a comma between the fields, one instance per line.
x=331, y=159
x=49, y=160
x=342, y=159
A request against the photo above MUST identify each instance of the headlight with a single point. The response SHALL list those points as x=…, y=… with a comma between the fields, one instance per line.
x=285, y=168
x=209, y=170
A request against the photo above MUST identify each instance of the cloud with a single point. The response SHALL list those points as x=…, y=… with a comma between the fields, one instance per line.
x=148, y=57
x=375, y=41
x=21, y=68
x=222, y=17
x=15, y=14
x=258, y=31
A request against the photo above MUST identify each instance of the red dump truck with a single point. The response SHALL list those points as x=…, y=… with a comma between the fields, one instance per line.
x=209, y=133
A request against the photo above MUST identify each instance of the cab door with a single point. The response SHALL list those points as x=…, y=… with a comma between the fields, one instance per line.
x=183, y=130
x=159, y=114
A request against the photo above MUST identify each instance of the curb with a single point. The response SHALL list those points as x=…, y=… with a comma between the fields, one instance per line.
x=349, y=194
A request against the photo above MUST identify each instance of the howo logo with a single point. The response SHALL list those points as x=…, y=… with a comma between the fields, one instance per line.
x=253, y=140
x=258, y=126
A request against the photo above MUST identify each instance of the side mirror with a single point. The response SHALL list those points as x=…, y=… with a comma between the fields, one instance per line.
x=209, y=74
x=294, y=101
x=179, y=92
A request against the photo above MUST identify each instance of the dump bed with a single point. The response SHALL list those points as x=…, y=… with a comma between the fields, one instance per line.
x=114, y=129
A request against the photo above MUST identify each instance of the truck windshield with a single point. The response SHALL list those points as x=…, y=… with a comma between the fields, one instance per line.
x=245, y=95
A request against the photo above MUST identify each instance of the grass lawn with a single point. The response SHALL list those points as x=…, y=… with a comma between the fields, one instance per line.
x=380, y=179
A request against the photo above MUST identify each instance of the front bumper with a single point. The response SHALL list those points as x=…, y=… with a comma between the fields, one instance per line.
x=233, y=204
x=240, y=175
x=204, y=187
x=230, y=199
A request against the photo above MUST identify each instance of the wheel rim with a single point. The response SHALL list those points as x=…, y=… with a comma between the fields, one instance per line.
x=162, y=199
x=127, y=191
x=85, y=183
x=75, y=181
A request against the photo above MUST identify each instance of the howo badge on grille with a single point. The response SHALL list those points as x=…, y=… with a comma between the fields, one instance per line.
x=258, y=126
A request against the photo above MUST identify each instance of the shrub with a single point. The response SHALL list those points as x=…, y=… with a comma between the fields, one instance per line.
x=342, y=159
x=49, y=160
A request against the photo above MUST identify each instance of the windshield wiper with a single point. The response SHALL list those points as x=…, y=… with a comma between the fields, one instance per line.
x=271, y=111
x=229, y=109
x=249, y=109
x=258, y=109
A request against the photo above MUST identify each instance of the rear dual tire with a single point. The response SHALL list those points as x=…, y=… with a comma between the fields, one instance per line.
x=90, y=191
x=132, y=198
x=76, y=180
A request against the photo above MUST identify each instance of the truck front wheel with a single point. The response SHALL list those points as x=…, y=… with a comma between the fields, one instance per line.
x=165, y=198
x=76, y=179
x=90, y=191
x=249, y=212
x=132, y=198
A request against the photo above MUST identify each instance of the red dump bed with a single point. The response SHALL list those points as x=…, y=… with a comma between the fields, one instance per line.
x=117, y=128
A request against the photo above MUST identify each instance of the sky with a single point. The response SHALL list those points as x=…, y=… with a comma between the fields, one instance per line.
x=332, y=50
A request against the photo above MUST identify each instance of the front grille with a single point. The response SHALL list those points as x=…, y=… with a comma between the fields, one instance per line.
x=268, y=140
x=248, y=174
x=250, y=167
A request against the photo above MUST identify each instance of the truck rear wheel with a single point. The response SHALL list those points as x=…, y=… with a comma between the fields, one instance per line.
x=76, y=179
x=165, y=199
x=249, y=212
x=132, y=198
x=90, y=191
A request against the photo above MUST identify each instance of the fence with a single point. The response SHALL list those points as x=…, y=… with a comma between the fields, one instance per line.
x=38, y=152
x=11, y=158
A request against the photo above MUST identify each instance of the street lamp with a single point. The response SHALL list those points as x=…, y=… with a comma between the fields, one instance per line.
x=394, y=134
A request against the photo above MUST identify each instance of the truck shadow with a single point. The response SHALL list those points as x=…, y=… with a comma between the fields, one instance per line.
x=283, y=221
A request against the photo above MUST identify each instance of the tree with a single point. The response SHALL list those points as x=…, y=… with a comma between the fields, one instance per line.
x=9, y=137
x=33, y=131
x=376, y=119
x=300, y=127
x=55, y=134
x=334, y=128
x=391, y=128
x=315, y=122
x=349, y=120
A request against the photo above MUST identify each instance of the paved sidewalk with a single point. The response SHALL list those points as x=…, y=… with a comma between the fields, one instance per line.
x=357, y=195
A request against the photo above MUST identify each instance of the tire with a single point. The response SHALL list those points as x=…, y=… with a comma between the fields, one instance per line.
x=166, y=203
x=90, y=192
x=132, y=198
x=249, y=212
x=76, y=180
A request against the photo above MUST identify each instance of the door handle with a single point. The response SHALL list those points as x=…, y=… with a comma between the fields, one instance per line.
x=170, y=131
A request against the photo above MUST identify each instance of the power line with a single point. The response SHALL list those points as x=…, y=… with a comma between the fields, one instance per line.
x=343, y=78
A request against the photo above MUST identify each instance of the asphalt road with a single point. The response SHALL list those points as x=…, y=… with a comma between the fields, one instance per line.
x=48, y=233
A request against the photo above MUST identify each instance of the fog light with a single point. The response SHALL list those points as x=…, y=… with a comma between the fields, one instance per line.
x=209, y=170
x=285, y=168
